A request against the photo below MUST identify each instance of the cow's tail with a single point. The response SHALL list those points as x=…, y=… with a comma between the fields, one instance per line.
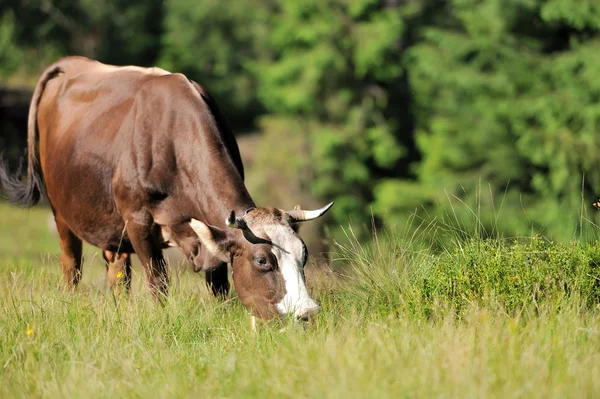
x=27, y=193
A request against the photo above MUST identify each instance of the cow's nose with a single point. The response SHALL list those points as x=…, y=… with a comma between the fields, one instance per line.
x=308, y=313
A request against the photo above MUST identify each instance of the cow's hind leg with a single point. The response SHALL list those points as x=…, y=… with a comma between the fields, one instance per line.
x=118, y=269
x=218, y=281
x=148, y=250
x=71, y=257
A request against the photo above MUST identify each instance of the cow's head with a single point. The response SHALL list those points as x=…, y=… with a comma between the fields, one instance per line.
x=267, y=256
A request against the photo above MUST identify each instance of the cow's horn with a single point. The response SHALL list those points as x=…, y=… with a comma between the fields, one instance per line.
x=234, y=222
x=239, y=223
x=299, y=215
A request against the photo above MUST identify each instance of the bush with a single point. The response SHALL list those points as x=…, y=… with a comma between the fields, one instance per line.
x=529, y=274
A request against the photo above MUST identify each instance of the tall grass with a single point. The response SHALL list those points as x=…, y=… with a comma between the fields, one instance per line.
x=483, y=318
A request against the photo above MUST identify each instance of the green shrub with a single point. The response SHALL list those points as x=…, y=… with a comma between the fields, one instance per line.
x=506, y=275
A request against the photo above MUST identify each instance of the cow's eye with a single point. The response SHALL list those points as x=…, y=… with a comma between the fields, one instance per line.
x=262, y=263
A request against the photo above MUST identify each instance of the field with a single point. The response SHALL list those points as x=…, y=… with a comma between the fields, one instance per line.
x=512, y=318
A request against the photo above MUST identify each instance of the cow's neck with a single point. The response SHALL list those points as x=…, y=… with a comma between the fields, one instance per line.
x=224, y=197
x=221, y=188
x=217, y=183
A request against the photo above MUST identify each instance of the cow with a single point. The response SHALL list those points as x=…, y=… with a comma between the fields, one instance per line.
x=133, y=160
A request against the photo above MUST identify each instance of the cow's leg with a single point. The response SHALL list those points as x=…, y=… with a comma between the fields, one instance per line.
x=118, y=269
x=148, y=250
x=218, y=281
x=71, y=256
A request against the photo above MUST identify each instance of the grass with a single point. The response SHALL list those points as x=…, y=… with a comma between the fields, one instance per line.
x=483, y=319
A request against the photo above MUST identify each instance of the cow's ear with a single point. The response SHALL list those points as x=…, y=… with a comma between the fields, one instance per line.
x=213, y=238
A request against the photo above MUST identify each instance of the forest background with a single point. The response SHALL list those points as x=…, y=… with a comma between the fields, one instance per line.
x=485, y=112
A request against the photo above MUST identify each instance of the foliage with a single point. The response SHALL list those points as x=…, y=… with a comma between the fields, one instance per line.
x=10, y=53
x=337, y=64
x=115, y=31
x=507, y=92
x=396, y=107
x=214, y=44
x=508, y=276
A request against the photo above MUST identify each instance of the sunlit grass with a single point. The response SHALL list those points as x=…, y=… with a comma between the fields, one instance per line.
x=396, y=321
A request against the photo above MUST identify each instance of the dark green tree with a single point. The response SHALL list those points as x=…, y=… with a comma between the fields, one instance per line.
x=338, y=81
x=505, y=91
x=38, y=32
x=214, y=43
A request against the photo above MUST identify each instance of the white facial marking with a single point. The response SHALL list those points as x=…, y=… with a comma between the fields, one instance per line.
x=289, y=251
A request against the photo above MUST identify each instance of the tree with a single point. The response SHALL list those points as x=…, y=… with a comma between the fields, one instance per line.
x=214, y=44
x=337, y=78
x=113, y=31
x=506, y=91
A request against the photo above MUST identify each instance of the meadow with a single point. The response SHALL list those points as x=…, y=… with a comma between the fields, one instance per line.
x=481, y=318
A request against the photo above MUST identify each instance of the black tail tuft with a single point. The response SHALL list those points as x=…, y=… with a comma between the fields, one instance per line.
x=21, y=193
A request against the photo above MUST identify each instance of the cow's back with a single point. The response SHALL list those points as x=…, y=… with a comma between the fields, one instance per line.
x=88, y=92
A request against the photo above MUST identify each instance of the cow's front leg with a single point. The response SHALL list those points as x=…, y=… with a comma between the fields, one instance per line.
x=118, y=269
x=144, y=240
x=217, y=280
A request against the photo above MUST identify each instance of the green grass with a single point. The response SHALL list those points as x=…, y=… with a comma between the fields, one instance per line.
x=482, y=319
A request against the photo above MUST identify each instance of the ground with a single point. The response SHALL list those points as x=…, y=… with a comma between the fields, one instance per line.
x=396, y=323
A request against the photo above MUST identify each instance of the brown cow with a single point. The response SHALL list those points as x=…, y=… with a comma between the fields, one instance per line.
x=137, y=159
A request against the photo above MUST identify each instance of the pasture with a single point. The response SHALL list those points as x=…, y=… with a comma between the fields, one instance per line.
x=481, y=319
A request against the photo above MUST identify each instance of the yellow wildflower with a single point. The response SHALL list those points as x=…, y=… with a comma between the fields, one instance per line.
x=29, y=330
x=119, y=275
